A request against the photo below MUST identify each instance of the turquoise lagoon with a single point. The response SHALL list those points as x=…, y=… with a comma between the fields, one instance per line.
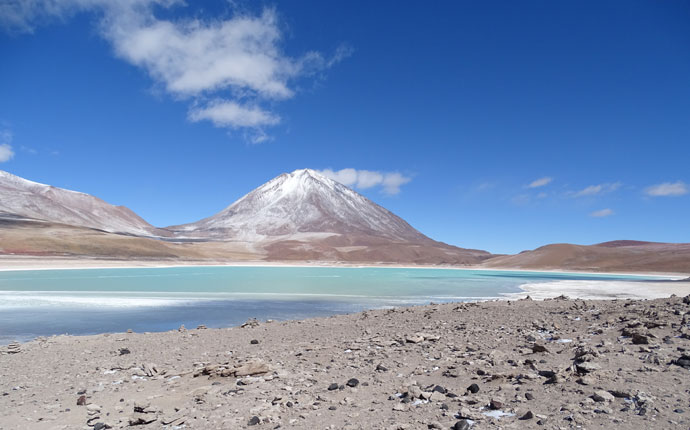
x=87, y=301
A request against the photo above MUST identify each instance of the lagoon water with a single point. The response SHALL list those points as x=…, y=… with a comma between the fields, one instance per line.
x=88, y=301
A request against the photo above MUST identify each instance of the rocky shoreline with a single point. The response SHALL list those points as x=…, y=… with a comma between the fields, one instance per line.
x=548, y=364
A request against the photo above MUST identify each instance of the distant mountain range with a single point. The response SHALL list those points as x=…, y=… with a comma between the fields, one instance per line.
x=298, y=216
x=301, y=215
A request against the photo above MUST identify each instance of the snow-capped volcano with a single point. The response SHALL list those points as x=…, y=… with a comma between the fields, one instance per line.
x=295, y=204
x=296, y=216
x=27, y=199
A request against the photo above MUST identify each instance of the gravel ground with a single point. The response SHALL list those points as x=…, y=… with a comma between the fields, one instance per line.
x=553, y=364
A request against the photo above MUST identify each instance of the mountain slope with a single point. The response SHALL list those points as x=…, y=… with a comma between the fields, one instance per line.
x=304, y=215
x=27, y=199
x=297, y=216
x=303, y=201
x=620, y=255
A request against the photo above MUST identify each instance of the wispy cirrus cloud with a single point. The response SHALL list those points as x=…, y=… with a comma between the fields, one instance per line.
x=390, y=182
x=667, y=189
x=232, y=69
x=599, y=189
x=6, y=151
x=602, y=213
x=541, y=182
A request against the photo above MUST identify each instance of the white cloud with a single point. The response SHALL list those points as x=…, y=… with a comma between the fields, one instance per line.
x=226, y=113
x=238, y=61
x=593, y=190
x=666, y=189
x=390, y=182
x=6, y=152
x=393, y=181
x=602, y=213
x=540, y=182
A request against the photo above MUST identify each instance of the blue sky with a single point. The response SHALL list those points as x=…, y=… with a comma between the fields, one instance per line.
x=494, y=125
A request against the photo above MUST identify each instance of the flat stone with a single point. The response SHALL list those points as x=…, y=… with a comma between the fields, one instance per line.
x=602, y=396
x=252, y=368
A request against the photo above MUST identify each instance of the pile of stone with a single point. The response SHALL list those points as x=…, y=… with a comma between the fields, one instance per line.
x=13, y=348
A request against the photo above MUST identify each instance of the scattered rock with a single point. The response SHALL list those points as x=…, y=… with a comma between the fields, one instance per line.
x=253, y=421
x=683, y=361
x=640, y=339
x=462, y=425
x=251, y=368
x=414, y=339
x=149, y=369
x=141, y=419
x=251, y=322
x=495, y=404
x=474, y=388
x=536, y=348
x=352, y=382
x=528, y=416
x=586, y=367
x=602, y=396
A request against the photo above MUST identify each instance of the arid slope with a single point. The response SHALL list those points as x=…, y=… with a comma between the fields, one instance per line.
x=621, y=256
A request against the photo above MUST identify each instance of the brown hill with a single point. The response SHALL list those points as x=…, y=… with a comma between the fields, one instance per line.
x=615, y=256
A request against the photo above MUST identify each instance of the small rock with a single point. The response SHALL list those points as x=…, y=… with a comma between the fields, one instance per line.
x=640, y=339
x=92, y=407
x=253, y=421
x=620, y=394
x=602, y=396
x=495, y=404
x=528, y=416
x=251, y=322
x=586, y=367
x=254, y=341
x=462, y=425
x=352, y=382
x=150, y=369
x=414, y=339
x=474, y=388
x=81, y=401
x=333, y=387
x=683, y=361
x=252, y=368
x=142, y=419
x=124, y=351
x=539, y=348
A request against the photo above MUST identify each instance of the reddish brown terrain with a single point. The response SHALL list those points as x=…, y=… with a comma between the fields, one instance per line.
x=615, y=256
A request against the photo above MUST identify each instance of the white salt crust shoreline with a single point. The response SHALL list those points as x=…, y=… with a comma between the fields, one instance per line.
x=19, y=264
